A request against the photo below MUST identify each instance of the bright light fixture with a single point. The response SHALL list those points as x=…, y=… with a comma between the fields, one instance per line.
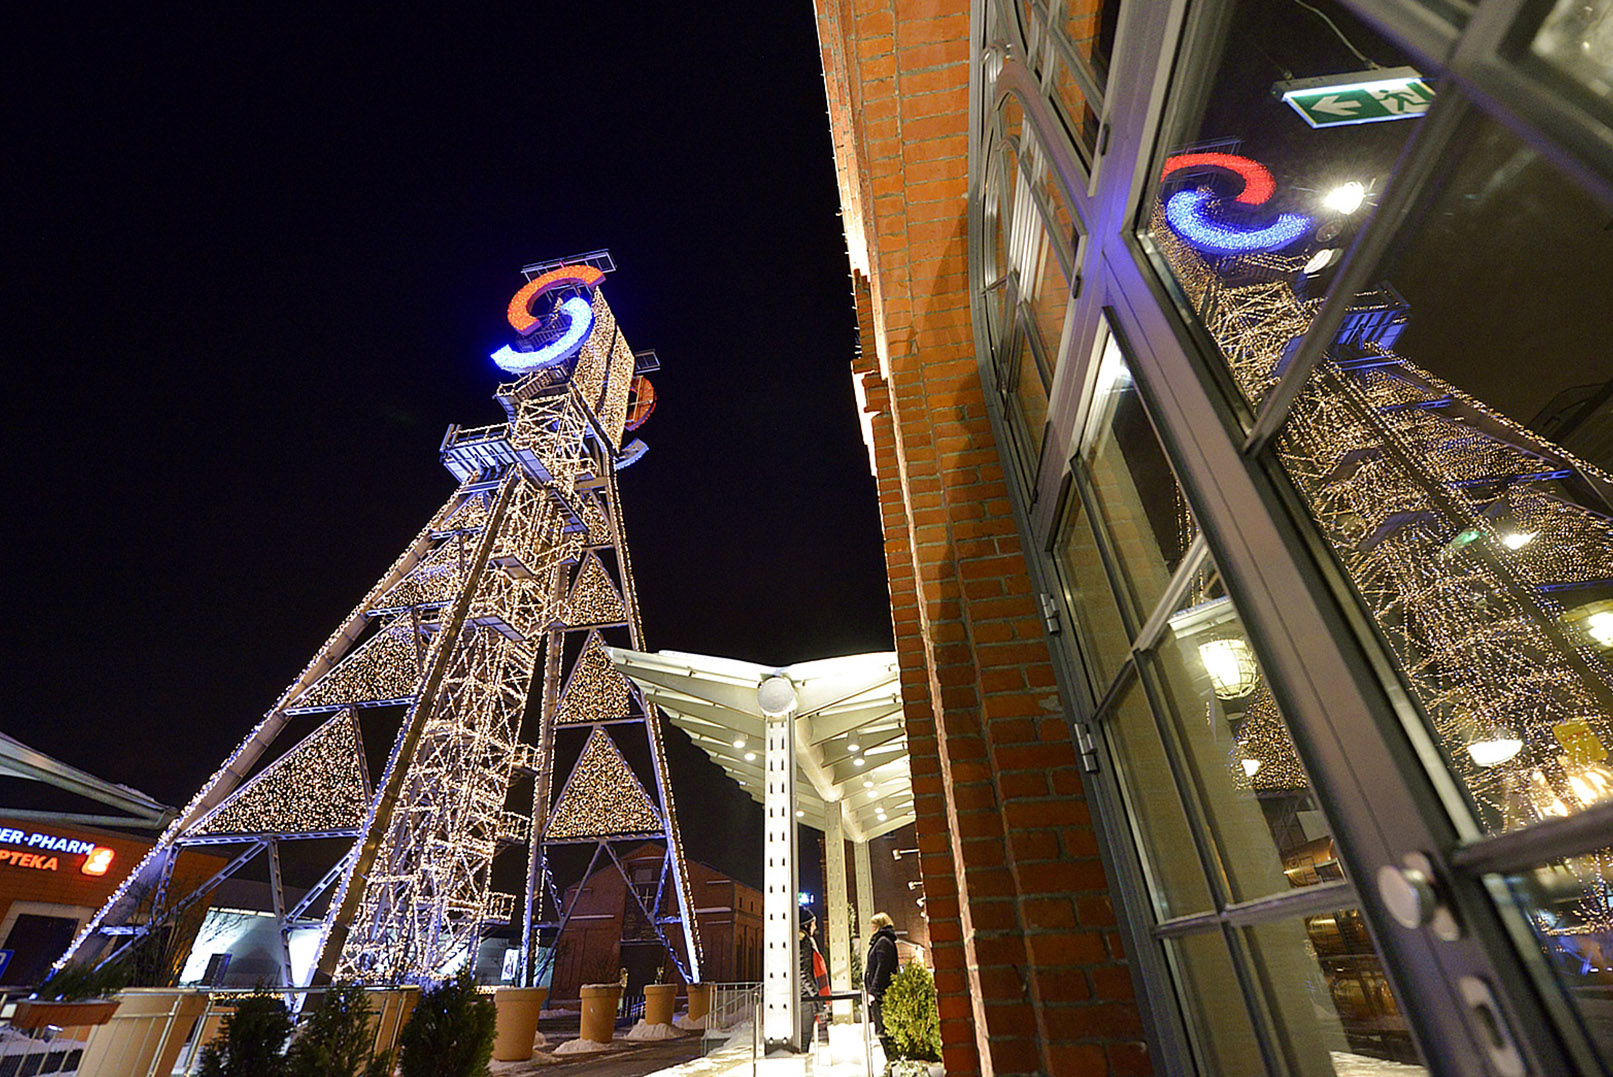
x=1494, y=745
x=853, y=747
x=1231, y=666
x=799, y=814
x=739, y=742
x=859, y=761
x=750, y=757
x=1346, y=198
x=1321, y=260
x=1599, y=626
x=1517, y=540
x=1251, y=766
x=868, y=783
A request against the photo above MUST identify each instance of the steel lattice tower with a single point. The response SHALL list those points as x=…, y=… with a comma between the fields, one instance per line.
x=524, y=564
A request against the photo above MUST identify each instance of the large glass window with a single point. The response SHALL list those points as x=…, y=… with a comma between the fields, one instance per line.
x=1175, y=874
x=1328, y=996
x=1267, y=177
x=1069, y=47
x=1104, y=639
x=1269, y=833
x=1233, y=844
x=1032, y=247
x=1568, y=903
x=1575, y=39
x=1138, y=500
x=1453, y=451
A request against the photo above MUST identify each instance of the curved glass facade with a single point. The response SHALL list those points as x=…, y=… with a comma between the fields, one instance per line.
x=1295, y=336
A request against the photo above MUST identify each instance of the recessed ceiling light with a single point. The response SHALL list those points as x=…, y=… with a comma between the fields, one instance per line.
x=1346, y=198
x=739, y=742
x=750, y=757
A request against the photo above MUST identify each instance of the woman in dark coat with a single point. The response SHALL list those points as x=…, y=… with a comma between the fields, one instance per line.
x=878, y=970
x=814, y=977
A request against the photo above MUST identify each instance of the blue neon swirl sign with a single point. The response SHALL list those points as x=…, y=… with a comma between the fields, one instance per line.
x=579, y=315
x=1190, y=214
x=1186, y=213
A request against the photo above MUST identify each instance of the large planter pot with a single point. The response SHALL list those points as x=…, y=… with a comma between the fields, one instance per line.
x=518, y=1010
x=151, y=1026
x=599, y=1002
x=390, y=1010
x=37, y=1013
x=658, y=1002
x=699, y=1001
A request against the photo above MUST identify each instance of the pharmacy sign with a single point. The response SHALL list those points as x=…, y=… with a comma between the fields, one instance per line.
x=1363, y=97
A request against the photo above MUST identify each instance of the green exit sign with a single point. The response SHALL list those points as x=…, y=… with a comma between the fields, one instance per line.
x=1363, y=97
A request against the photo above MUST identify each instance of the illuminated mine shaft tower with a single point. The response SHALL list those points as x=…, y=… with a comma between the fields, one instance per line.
x=525, y=564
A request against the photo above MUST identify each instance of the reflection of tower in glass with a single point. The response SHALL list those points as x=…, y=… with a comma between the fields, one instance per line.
x=1484, y=551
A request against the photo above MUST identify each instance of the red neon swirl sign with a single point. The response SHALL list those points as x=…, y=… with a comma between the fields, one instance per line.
x=521, y=317
x=1257, y=182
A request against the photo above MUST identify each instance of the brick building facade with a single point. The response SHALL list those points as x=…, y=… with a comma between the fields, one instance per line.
x=607, y=931
x=1031, y=971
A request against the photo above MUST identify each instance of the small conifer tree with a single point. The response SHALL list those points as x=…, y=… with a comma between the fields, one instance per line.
x=250, y=1041
x=911, y=1018
x=451, y=1032
x=335, y=1040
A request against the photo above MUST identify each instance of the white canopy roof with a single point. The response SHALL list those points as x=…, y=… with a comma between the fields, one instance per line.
x=851, y=743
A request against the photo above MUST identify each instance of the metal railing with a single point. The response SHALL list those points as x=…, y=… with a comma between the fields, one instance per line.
x=162, y=1032
x=733, y=1006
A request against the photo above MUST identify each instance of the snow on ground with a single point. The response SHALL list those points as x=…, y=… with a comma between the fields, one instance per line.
x=581, y=1046
x=1348, y=1064
x=644, y=1032
x=684, y=1022
x=521, y=1069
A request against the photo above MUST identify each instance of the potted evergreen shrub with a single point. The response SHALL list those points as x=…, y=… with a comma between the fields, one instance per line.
x=912, y=1021
x=336, y=1037
x=73, y=997
x=252, y=1040
x=450, y=1033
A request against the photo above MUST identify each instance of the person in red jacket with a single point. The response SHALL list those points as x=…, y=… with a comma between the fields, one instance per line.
x=814, y=978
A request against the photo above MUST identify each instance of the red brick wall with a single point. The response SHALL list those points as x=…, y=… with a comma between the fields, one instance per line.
x=1029, y=964
x=730, y=926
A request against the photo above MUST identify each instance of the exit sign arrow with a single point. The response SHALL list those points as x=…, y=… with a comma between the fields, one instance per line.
x=1361, y=97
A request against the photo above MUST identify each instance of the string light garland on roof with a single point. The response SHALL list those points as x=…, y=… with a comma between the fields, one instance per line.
x=593, y=518
x=593, y=358
x=469, y=515
x=317, y=786
x=618, y=387
x=602, y=797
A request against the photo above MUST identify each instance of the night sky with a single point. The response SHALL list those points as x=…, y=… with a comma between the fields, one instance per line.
x=257, y=264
